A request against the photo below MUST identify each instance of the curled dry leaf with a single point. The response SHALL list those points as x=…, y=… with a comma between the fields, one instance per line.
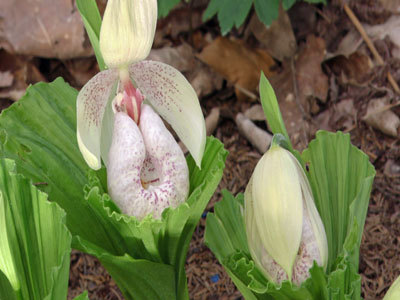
x=212, y=120
x=237, y=63
x=203, y=80
x=341, y=115
x=391, y=5
x=381, y=117
x=391, y=29
x=255, y=113
x=355, y=69
x=6, y=79
x=43, y=28
x=278, y=38
x=259, y=138
x=311, y=80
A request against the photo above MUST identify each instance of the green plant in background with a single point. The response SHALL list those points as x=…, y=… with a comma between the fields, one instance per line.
x=340, y=176
x=35, y=244
x=234, y=12
x=145, y=257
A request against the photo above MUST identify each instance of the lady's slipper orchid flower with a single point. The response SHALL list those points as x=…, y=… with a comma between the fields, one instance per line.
x=284, y=230
x=146, y=169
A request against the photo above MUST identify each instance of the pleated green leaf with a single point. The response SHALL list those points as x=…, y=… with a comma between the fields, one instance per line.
x=341, y=178
x=35, y=244
x=39, y=133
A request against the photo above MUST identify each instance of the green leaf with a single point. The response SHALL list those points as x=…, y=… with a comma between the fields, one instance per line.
x=165, y=6
x=6, y=290
x=83, y=296
x=39, y=132
x=92, y=20
x=271, y=108
x=288, y=4
x=141, y=279
x=341, y=178
x=230, y=13
x=35, y=244
x=267, y=11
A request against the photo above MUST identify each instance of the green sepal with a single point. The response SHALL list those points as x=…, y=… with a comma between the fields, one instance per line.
x=92, y=20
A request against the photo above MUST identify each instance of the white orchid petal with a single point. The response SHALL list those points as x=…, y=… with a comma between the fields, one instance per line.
x=131, y=146
x=127, y=31
x=278, y=207
x=91, y=104
x=172, y=96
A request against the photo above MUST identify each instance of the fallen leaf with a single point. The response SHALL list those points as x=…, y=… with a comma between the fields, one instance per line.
x=391, y=168
x=391, y=29
x=278, y=38
x=203, y=80
x=381, y=117
x=354, y=69
x=311, y=80
x=236, y=62
x=212, y=120
x=6, y=79
x=179, y=20
x=348, y=45
x=43, y=28
x=292, y=115
x=255, y=113
x=341, y=115
x=391, y=5
x=21, y=72
x=181, y=57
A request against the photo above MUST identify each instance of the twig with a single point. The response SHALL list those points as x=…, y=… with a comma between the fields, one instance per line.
x=212, y=121
x=247, y=92
x=259, y=138
x=370, y=45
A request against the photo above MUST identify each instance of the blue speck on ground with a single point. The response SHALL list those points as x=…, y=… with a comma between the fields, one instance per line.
x=215, y=278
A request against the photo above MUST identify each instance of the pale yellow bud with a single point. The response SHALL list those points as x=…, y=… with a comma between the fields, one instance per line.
x=127, y=31
x=394, y=291
x=284, y=230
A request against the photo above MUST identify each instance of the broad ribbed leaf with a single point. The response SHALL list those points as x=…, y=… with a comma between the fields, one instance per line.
x=341, y=178
x=35, y=244
x=39, y=132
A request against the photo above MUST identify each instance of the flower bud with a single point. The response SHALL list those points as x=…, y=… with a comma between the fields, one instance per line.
x=127, y=31
x=394, y=291
x=284, y=230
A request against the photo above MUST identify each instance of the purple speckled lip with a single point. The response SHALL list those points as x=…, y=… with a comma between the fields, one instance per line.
x=147, y=171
